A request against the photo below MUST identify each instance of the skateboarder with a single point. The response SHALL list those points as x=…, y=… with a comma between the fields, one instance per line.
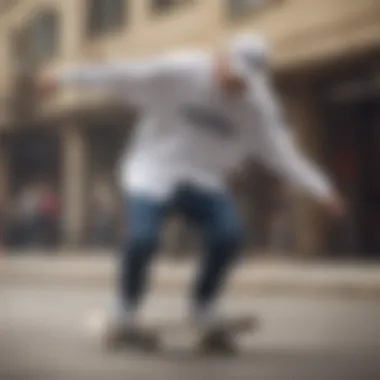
x=201, y=115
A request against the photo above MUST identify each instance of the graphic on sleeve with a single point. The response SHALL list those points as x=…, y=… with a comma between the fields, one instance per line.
x=209, y=121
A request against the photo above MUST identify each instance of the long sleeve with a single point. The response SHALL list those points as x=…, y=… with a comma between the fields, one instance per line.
x=277, y=150
x=136, y=80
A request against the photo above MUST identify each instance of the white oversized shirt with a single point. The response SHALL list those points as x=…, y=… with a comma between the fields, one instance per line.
x=190, y=131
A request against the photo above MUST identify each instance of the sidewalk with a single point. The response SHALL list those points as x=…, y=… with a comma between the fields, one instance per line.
x=253, y=276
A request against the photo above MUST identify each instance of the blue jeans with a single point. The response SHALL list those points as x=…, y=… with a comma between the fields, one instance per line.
x=212, y=213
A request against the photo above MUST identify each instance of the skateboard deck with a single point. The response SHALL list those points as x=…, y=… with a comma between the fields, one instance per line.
x=222, y=337
x=231, y=325
x=153, y=335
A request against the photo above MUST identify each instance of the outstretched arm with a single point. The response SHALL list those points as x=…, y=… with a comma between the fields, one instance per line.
x=136, y=80
x=277, y=150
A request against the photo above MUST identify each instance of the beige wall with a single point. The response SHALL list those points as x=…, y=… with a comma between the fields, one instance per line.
x=300, y=31
x=74, y=184
x=297, y=28
x=304, y=30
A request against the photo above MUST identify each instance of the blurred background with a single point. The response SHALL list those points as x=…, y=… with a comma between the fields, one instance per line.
x=59, y=157
x=59, y=197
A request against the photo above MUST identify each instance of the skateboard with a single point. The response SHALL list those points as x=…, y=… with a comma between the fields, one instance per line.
x=222, y=337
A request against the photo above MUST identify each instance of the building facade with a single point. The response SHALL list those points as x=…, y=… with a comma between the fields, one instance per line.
x=325, y=57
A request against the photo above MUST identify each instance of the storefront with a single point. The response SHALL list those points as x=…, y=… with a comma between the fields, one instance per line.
x=32, y=209
x=352, y=136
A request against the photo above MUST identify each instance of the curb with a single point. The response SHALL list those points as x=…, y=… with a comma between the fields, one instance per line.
x=237, y=286
x=254, y=277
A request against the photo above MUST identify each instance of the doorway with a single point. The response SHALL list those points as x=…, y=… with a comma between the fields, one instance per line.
x=353, y=146
x=33, y=210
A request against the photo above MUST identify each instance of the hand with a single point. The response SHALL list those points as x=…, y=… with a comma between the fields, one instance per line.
x=335, y=206
x=46, y=86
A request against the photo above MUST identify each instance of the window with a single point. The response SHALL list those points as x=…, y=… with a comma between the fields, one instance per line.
x=37, y=41
x=162, y=6
x=44, y=36
x=240, y=8
x=105, y=16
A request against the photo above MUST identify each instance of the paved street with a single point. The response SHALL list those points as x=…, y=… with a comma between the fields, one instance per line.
x=44, y=335
x=252, y=277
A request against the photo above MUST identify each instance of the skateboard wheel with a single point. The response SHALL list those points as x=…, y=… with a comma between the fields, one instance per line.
x=112, y=338
x=149, y=343
x=219, y=343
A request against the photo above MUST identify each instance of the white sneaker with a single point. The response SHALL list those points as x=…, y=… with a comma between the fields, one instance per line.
x=207, y=317
x=121, y=326
x=124, y=317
